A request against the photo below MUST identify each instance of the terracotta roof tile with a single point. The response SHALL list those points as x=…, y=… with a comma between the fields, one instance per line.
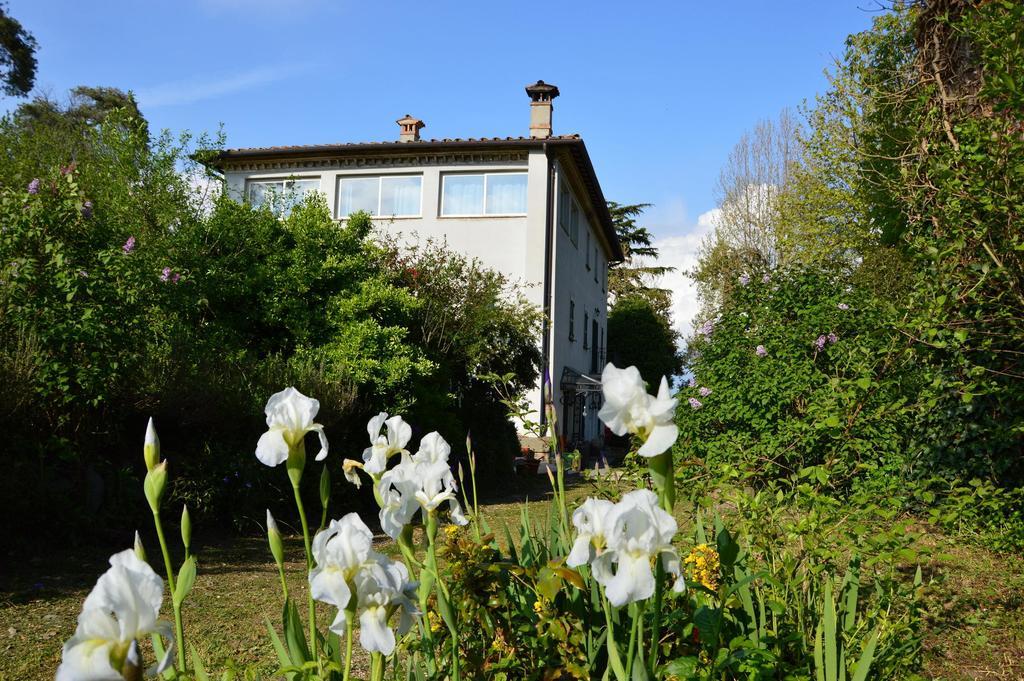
x=393, y=143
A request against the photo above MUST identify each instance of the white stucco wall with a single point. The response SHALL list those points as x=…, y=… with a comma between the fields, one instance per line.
x=576, y=282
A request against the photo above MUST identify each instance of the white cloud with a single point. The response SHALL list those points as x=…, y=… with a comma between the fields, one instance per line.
x=199, y=89
x=680, y=251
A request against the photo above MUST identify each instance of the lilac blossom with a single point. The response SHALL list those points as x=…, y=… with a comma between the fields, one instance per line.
x=165, y=274
x=820, y=342
x=33, y=186
x=129, y=245
x=833, y=338
x=761, y=351
x=766, y=278
x=744, y=279
x=695, y=403
x=704, y=391
x=692, y=383
x=706, y=329
x=175, y=278
x=843, y=306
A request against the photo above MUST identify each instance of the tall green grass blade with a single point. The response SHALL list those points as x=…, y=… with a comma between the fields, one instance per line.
x=831, y=653
x=864, y=663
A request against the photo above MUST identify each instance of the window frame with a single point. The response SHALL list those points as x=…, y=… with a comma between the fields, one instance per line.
x=279, y=180
x=380, y=195
x=586, y=326
x=572, y=320
x=484, y=175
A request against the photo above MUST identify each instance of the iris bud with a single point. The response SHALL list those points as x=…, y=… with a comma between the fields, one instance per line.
x=274, y=539
x=151, y=449
x=156, y=481
x=186, y=529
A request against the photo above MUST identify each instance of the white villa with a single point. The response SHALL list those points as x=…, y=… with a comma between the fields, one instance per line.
x=531, y=207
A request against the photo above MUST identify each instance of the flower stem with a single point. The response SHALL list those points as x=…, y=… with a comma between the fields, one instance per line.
x=179, y=629
x=613, y=650
x=309, y=567
x=659, y=578
x=348, y=646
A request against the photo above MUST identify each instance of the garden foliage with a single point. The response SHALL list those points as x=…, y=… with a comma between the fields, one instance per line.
x=903, y=204
x=132, y=287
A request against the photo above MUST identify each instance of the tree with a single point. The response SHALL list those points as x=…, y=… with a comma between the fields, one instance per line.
x=640, y=329
x=634, y=275
x=747, y=236
x=17, y=56
x=640, y=334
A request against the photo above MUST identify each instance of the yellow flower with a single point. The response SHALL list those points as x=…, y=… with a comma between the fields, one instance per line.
x=704, y=566
x=538, y=607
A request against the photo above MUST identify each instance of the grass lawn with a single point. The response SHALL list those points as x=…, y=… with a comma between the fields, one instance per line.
x=975, y=629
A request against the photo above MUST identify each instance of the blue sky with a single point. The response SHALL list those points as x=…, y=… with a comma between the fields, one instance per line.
x=660, y=90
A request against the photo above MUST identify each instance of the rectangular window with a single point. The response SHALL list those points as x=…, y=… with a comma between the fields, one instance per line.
x=588, y=252
x=595, y=264
x=564, y=203
x=382, y=195
x=574, y=223
x=572, y=320
x=586, y=324
x=483, y=194
x=281, y=196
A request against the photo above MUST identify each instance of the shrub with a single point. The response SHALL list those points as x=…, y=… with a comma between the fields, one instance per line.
x=799, y=369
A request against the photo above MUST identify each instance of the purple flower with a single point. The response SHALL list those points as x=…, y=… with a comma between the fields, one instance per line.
x=744, y=279
x=129, y=245
x=761, y=351
x=165, y=274
x=87, y=209
x=843, y=306
x=692, y=383
x=820, y=342
x=33, y=186
x=175, y=278
x=704, y=391
x=706, y=329
x=833, y=338
x=695, y=403
x=766, y=278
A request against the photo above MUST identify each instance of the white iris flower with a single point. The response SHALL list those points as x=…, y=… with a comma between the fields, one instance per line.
x=340, y=550
x=422, y=481
x=357, y=580
x=383, y=588
x=121, y=608
x=383, y=447
x=621, y=542
x=290, y=416
x=629, y=409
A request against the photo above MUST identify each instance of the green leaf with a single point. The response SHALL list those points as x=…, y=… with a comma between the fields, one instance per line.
x=864, y=663
x=197, y=665
x=831, y=651
x=294, y=634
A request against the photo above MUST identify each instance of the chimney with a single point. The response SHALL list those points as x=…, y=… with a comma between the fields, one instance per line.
x=410, y=128
x=541, y=95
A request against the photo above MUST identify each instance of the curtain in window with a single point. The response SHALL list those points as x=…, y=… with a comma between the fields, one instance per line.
x=400, y=196
x=463, y=195
x=506, y=194
x=259, y=192
x=358, y=193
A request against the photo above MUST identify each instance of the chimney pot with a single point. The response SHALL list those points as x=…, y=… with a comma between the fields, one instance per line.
x=541, y=108
x=409, y=128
